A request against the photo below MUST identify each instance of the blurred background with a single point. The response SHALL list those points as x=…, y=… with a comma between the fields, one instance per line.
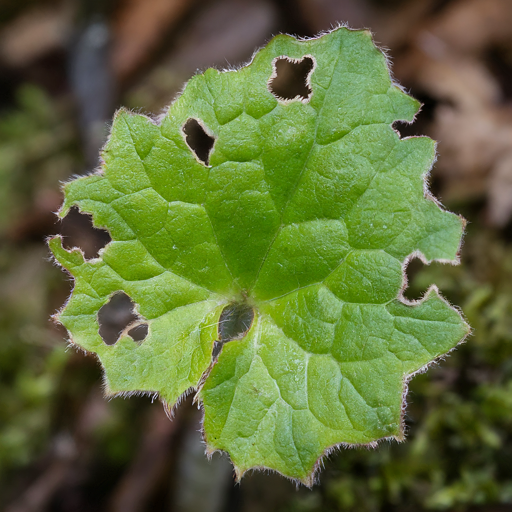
x=65, y=67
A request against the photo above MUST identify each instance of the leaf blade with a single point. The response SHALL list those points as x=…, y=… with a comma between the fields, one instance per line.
x=306, y=213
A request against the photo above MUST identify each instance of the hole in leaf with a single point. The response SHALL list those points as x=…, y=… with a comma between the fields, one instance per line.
x=290, y=79
x=78, y=231
x=198, y=140
x=234, y=322
x=415, y=289
x=118, y=314
x=139, y=332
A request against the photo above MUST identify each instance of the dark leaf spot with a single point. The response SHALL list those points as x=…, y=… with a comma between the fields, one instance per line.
x=118, y=314
x=198, y=140
x=292, y=79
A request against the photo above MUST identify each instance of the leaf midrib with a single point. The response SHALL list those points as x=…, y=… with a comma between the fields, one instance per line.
x=304, y=167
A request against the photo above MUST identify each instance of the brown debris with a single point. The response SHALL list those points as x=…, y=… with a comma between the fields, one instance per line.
x=139, y=28
x=35, y=33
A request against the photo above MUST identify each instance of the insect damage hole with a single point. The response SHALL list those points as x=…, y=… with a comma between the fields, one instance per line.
x=416, y=280
x=116, y=316
x=291, y=78
x=198, y=140
x=234, y=322
x=77, y=230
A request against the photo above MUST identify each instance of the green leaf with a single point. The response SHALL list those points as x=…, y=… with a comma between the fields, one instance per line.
x=286, y=253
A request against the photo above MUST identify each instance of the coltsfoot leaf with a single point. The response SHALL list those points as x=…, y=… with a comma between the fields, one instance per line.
x=269, y=265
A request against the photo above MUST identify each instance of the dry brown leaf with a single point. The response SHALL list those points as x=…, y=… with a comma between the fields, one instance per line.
x=433, y=68
x=470, y=26
x=476, y=157
x=35, y=33
x=138, y=29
